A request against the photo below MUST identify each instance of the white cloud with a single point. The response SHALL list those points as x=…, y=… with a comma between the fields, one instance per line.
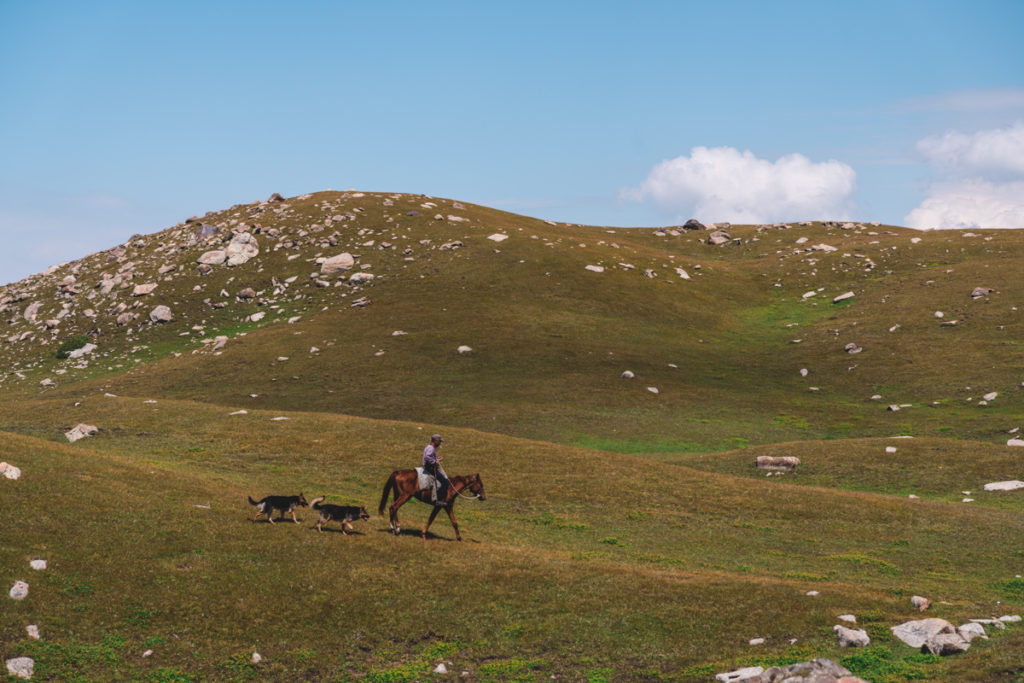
x=724, y=184
x=983, y=184
x=997, y=151
x=971, y=204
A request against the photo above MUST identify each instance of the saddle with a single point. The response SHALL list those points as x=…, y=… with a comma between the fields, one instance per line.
x=424, y=481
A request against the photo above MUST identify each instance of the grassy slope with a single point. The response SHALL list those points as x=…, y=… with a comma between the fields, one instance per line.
x=709, y=552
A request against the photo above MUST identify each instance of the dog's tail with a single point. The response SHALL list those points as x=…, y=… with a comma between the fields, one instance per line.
x=389, y=487
x=251, y=501
x=316, y=502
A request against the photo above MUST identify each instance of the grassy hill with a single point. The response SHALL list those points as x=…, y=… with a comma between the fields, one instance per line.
x=627, y=534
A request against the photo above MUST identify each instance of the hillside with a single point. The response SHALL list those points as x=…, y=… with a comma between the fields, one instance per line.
x=613, y=388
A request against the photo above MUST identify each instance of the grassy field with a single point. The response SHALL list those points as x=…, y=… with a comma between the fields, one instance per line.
x=626, y=535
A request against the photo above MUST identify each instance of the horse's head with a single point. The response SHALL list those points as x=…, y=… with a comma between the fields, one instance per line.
x=476, y=486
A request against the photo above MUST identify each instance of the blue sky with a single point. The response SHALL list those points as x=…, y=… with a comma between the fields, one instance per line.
x=127, y=117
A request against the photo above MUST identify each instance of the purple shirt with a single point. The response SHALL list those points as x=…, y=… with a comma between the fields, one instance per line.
x=429, y=455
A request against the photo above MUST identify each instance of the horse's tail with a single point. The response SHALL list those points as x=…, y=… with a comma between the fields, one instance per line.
x=389, y=487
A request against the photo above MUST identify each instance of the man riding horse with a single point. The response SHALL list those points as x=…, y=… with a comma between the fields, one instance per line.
x=432, y=466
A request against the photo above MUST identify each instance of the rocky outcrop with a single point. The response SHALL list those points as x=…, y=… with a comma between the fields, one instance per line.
x=786, y=463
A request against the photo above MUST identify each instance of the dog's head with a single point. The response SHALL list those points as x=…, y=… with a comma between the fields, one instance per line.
x=363, y=514
x=302, y=500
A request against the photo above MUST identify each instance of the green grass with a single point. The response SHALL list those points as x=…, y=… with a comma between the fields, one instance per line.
x=626, y=535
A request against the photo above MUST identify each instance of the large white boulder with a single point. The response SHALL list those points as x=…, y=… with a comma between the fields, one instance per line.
x=213, y=258
x=916, y=633
x=21, y=667
x=1011, y=485
x=243, y=247
x=80, y=431
x=336, y=264
x=849, y=637
x=161, y=314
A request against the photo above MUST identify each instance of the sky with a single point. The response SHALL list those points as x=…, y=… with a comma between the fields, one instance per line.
x=119, y=118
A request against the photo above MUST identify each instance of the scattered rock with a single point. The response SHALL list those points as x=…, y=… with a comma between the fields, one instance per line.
x=497, y=237
x=32, y=630
x=336, y=264
x=441, y=669
x=9, y=470
x=843, y=297
x=256, y=656
x=718, y=237
x=920, y=603
x=693, y=224
x=849, y=637
x=744, y=675
x=161, y=314
x=463, y=350
x=991, y=396
x=653, y=390
x=848, y=618
x=916, y=633
x=21, y=667
x=595, y=269
x=757, y=641
x=1015, y=442
x=360, y=278
x=213, y=258
x=143, y=290
x=257, y=316
x=628, y=374
x=243, y=247
x=38, y=565
x=980, y=292
x=1011, y=485
x=83, y=351
x=852, y=348
x=80, y=431
x=786, y=463
x=19, y=591
x=246, y=293
x=945, y=644
x=971, y=631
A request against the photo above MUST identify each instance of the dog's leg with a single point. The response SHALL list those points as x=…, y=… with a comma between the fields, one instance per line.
x=293, y=516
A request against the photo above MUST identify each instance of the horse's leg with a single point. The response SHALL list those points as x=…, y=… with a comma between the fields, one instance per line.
x=399, y=502
x=433, y=513
x=449, y=508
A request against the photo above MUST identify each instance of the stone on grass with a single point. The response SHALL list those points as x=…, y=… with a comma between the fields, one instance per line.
x=21, y=667
x=843, y=297
x=916, y=633
x=143, y=290
x=740, y=675
x=243, y=247
x=38, y=565
x=80, y=431
x=971, y=631
x=718, y=237
x=497, y=237
x=1011, y=485
x=595, y=269
x=786, y=463
x=256, y=658
x=920, y=603
x=945, y=644
x=849, y=637
x=463, y=350
x=33, y=631
x=161, y=314
x=628, y=374
x=19, y=591
x=213, y=258
x=336, y=264
x=979, y=292
x=82, y=351
x=9, y=470
x=441, y=669
x=359, y=278
x=1015, y=442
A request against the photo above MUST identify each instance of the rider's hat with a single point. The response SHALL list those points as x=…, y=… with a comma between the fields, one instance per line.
x=436, y=437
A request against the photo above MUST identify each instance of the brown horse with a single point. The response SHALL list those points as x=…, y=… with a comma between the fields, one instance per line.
x=404, y=485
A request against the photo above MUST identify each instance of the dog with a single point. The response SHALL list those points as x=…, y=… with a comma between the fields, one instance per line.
x=341, y=513
x=266, y=506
